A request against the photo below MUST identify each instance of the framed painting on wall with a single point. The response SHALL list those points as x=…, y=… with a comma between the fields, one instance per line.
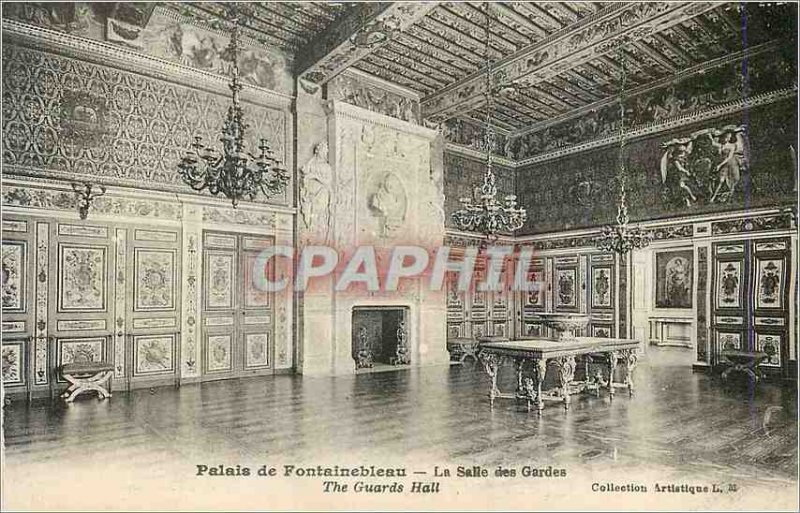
x=674, y=278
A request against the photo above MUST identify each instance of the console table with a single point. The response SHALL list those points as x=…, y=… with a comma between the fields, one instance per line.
x=542, y=352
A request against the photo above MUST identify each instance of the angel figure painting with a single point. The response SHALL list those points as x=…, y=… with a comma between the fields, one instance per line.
x=704, y=167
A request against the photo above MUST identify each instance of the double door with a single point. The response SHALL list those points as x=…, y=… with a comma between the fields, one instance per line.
x=750, y=299
x=475, y=312
x=237, y=314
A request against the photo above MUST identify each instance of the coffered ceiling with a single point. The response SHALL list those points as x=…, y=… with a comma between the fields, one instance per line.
x=562, y=58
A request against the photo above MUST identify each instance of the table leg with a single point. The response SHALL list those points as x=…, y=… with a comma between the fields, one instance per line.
x=566, y=373
x=630, y=358
x=490, y=364
x=539, y=374
x=612, y=366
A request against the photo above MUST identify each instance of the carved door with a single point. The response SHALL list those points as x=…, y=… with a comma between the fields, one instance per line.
x=83, y=294
x=750, y=303
x=533, y=302
x=237, y=316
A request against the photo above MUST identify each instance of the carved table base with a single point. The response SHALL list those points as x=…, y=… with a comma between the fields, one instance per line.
x=529, y=385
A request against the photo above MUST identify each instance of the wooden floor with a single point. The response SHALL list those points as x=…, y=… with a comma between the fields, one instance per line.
x=680, y=424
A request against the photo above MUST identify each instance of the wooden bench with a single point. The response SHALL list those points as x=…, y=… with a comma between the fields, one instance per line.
x=742, y=361
x=87, y=377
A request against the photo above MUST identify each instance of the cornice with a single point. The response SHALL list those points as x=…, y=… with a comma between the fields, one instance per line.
x=124, y=59
x=480, y=155
x=345, y=110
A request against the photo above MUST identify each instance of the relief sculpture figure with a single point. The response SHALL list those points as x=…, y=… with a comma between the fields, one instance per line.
x=315, y=194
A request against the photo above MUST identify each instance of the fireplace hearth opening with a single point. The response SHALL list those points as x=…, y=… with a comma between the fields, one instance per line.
x=380, y=336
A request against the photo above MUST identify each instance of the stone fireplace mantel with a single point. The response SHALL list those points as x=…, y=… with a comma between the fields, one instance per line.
x=386, y=179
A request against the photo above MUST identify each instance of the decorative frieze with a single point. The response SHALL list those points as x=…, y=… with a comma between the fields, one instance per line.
x=53, y=199
x=781, y=221
x=238, y=216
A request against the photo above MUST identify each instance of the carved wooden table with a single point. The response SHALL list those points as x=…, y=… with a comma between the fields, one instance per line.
x=87, y=377
x=743, y=361
x=542, y=352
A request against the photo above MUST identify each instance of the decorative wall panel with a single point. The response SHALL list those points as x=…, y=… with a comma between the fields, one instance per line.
x=219, y=280
x=729, y=341
x=14, y=265
x=218, y=353
x=120, y=292
x=256, y=350
x=770, y=283
x=67, y=117
x=82, y=280
x=566, y=289
x=13, y=363
x=702, y=303
x=80, y=350
x=154, y=280
x=253, y=297
x=728, y=292
x=154, y=354
x=602, y=287
x=41, y=376
x=772, y=346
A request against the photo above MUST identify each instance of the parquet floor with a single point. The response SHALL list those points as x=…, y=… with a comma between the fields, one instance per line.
x=681, y=425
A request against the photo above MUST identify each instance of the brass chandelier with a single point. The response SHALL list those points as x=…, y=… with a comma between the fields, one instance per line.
x=621, y=238
x=236, y=173
x=483, y=212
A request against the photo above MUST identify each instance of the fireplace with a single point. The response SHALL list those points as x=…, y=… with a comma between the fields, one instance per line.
x=380, y=336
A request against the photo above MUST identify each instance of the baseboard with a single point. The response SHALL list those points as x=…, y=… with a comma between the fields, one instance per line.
x=701, y=367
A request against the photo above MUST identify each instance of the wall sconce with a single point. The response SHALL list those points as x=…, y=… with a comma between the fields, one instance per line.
x=85, y=195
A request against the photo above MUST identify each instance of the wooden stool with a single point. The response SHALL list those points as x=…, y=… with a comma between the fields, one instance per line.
x=743, y=361
x=85, y=377
x=461, y=348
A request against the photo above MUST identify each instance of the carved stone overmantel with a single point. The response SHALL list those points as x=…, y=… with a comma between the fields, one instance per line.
x=386, y=190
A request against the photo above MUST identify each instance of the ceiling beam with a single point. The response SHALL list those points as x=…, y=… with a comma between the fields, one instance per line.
x=365, y=28
x=588, y=39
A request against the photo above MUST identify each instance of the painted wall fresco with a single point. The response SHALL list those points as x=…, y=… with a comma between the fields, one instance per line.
x=766, y=72
x=73, y=117
x=579, y=190
x=462, y=174
x=472, y=135
x=149, y=29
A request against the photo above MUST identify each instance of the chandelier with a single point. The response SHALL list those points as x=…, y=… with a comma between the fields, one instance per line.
x=483, y=212
x=622, y=238
x=236, y=173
